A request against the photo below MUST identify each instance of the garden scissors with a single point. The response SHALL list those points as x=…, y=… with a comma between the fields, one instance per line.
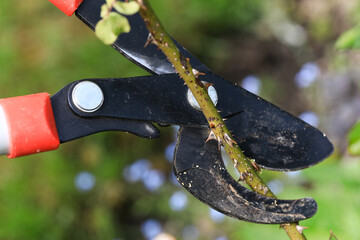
x=274, y=138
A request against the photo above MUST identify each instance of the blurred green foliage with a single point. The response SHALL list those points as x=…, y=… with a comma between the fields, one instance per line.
x=349, y=39
x=354, y=139
x=43, y=50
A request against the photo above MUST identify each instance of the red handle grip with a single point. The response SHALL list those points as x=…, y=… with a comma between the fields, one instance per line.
x=67, y=6
x=30, y=123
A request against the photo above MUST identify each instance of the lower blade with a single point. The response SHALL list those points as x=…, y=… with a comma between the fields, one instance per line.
x=199, y=168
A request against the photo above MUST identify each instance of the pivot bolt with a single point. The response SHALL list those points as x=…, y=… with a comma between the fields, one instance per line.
x=87, y=96
x=212, y=94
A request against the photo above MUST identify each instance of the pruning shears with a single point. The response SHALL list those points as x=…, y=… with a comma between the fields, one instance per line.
x=274, y=138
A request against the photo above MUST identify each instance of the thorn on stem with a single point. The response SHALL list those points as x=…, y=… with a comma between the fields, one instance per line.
x=255, y=166
x=219, y=142
x=150, y=40
x=300, y=229
x=197, y=73
x=211, y=136
x=207, y=85
x=229, y=140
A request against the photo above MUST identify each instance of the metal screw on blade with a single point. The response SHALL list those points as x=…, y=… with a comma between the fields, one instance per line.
x=87, y=96
x=212, y=94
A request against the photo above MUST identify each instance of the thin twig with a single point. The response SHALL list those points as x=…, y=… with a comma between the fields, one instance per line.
x=332, y=235
x=247, y=168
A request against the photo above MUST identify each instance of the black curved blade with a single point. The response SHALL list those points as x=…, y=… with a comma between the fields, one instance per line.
x=276, y=139
x=198, y=166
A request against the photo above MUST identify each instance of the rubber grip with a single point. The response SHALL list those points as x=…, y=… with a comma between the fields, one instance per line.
x=67, y=6
x=31, y=124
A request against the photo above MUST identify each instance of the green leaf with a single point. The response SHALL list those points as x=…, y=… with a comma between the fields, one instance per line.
x=104, y=11
x=108, y=29
x=127, y=8
x=354, y=139
x=349, y=39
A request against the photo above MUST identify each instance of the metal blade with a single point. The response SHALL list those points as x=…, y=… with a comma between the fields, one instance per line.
x=198, y=166
x=276, y=139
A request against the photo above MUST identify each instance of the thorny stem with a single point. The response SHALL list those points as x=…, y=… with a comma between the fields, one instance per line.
x=247, y=168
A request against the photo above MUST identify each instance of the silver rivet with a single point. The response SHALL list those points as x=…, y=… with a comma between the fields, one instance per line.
x=212, y=94
x=87, y=96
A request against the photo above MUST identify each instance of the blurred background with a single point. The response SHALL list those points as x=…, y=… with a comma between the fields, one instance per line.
x=116, y=186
